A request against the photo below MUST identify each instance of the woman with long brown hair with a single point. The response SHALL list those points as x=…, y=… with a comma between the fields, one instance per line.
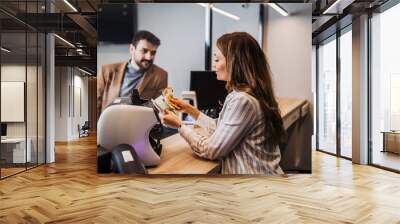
x=247, y=134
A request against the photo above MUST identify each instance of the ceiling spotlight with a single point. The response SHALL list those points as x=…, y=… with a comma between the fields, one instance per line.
x=70, y=5
x=5, y=50
x=84, y=71
x=65, y=41
x=278, y=8
x=227, y=14
x=220, y=11
x=331, y=7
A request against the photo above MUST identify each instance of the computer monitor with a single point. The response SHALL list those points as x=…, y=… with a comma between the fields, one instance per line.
x=3, y=129
x=210, y=92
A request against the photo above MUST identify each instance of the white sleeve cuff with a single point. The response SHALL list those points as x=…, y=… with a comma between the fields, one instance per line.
x=186, y=132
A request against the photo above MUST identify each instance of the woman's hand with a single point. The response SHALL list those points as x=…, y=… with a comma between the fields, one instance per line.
x=171, y=120
x=186, y=107
x=183, y=105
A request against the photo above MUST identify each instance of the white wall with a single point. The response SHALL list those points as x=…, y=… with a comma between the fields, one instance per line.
x=110, y=53
x=15, y=72
x=67, y=115
x=180, y=27
x=288, y=46
x=249, y=14
x=61, y=83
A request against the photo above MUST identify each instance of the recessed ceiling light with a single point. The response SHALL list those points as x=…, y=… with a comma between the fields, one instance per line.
x=220, y=11
x=278, y=8
x=84, y=71
x=5, y=50
x=331, y=6
x=70, y=5
x=64, y=40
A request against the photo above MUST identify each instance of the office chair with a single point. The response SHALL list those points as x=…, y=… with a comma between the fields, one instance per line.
x=84, y=130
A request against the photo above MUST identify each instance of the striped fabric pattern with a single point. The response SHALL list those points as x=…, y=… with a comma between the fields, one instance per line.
x=237, y=138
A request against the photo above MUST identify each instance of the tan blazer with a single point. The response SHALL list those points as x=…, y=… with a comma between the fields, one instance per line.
x=109, y=81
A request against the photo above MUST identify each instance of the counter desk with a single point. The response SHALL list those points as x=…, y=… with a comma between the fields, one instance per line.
x=177, y=157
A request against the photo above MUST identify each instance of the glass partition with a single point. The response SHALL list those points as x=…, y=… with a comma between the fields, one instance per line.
x=346, y=93
x=22, y=64
x=14, y=153
x=327, y=96
x=385, y=89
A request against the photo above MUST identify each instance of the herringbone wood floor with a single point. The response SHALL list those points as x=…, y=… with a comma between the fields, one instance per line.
x=70, y=191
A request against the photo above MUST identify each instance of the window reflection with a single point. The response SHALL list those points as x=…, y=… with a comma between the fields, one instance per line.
x=385, y=84
x=346, y=94
x=327, y=96
x=22, y=91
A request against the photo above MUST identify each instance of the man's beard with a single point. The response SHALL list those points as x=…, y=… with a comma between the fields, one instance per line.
x=144, y=64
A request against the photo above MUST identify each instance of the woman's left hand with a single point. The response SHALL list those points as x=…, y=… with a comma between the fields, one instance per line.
x=170, y=119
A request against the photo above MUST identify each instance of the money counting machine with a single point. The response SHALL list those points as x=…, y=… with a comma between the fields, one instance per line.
x=127, y=137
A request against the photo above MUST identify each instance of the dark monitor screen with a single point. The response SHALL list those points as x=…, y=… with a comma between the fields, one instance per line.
x=210, y=92
x=3, y=129
x=116, y=23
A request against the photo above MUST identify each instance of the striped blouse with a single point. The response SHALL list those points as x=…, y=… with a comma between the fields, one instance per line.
x=237, y=138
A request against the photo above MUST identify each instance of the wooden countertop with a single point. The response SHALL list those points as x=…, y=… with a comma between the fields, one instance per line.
x=177, y=157
x=288, y=105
